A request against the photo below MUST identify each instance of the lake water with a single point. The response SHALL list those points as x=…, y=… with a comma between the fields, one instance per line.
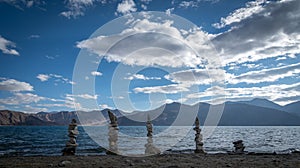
x=50, y=140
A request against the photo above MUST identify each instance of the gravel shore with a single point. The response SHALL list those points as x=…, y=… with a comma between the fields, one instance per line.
x=163, y=160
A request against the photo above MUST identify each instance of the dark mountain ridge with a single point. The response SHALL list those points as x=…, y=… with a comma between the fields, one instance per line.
x=257, y=112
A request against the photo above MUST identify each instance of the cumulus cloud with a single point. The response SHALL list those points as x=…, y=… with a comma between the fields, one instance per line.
x=96, y=73
x=141, y=77
x=126, y=6
x=273, y=31
x=7, y=47
x=138, y=45
x=252, y=7
x=186, y=78
x=14, y=85
x=77, y=8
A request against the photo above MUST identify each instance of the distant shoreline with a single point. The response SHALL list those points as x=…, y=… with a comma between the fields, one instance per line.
x=163, y=160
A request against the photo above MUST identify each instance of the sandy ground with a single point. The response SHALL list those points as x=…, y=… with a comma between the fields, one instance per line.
x=164, y=160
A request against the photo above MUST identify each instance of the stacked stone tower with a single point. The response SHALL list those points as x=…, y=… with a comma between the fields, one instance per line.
x=150, y=148
x=198, y=137
x=71, y=145
x=113, y=131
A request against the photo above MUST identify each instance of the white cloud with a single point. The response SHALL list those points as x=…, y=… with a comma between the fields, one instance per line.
x=68, y=102
x=20, y=4
x=166, y=89
x=56, y=77
x=22, y=98
x=146, y=1
x=117, y=97
x=194, y=3
x=186, y=78
x=34, y=36
x=279, y=93
x=272, y=32
x=252, y=66
x=31, y=109
x=7, y=47
x=186, y=4
x=83, y=96
x=143, y=6
x=105, y=106
x=169, y=11
x=281, y=58
x=126, y=6
x=2, y=107
x=50, y=57
x=197, y=76
x=96, y=73
x=43, y=77
x=252, y=7
x=77, y=8
x=266, y=75
x=14, y=85
x=138, y=45
x=141, y=77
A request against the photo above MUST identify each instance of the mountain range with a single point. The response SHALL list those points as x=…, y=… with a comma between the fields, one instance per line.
x=256, y=112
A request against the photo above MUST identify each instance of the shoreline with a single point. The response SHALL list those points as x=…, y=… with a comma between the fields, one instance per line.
x=163, y=160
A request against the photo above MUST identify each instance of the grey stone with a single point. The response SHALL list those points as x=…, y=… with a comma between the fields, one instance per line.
x=198, y=137
x=64, y=163
x=71, y=144
x=150, y=147
x=112, y=134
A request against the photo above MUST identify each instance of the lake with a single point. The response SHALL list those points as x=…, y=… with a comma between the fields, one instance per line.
x=50, y=140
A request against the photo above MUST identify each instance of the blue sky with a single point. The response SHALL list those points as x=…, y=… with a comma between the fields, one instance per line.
x=257, y=44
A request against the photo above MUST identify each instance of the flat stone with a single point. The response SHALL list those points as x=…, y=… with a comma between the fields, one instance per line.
x=64, y=163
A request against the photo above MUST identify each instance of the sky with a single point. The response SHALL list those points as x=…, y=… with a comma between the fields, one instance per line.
x=137, y=55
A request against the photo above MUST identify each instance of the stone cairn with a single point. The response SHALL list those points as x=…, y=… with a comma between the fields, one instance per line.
x=71, y=144
x=238, y=147
x=150, y=148
x=198, y=137
x=112, y=134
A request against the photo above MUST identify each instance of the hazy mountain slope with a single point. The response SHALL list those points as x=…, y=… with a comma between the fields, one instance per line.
x=263, y=103
x=293, y=108
x=234, y=114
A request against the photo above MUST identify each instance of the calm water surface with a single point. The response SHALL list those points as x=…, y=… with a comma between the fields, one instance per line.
x=50, y=140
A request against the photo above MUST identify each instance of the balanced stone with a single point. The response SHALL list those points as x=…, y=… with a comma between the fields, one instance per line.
x=150, y=148
x=112, y=134
x=71, y=144
x=238, y=146
x=198, y=137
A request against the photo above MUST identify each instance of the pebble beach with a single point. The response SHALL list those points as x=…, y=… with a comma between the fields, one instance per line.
x=162, y=160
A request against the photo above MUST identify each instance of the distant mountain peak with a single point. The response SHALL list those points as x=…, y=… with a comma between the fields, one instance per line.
x=261, y=102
